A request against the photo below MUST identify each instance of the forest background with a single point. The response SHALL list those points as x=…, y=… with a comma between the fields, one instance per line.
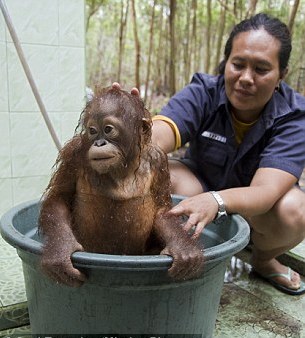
x=157, y=45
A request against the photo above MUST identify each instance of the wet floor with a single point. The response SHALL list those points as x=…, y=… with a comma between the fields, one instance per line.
x=251, y=307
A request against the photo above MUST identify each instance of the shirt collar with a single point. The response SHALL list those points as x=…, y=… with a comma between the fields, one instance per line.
x=275, y=108
x=223, y=100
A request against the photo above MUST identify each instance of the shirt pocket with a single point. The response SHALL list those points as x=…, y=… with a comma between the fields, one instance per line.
x=214, y=153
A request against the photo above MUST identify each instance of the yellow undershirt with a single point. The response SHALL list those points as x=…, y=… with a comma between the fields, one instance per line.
x=241, y=129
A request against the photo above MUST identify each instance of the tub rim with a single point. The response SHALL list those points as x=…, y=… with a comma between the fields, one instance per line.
x=145, y=262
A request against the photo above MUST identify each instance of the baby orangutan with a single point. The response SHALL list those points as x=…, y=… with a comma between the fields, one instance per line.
x=110, y=193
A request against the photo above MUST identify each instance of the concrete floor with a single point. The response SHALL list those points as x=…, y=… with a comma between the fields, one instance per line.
x=251, y=307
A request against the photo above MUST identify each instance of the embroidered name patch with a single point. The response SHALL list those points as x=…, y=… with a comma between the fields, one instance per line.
x=214, y=136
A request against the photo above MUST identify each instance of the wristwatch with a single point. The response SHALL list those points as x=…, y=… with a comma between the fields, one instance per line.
x=221, y=214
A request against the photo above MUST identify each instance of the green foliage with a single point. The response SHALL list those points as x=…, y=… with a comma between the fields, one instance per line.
x=191, y=38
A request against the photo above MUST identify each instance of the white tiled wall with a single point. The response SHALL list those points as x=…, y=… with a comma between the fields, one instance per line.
x=52, y=37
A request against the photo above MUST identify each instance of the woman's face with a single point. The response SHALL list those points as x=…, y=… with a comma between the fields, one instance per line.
x=252, y=73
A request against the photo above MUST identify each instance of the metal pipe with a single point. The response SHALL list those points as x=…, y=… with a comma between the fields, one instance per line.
x=28, y=73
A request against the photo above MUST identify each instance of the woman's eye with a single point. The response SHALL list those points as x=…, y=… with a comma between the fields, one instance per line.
x=92, y=131
x=261, y=70
x=237, y=66
x=108, y=129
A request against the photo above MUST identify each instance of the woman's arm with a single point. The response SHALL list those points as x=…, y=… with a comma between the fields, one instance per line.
x=267, y=187
x=163, y=136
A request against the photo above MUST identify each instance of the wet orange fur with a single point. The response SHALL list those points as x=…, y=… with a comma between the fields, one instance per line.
x=118, y=211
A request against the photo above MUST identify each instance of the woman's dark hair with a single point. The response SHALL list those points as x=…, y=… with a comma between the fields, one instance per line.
x=271, y=25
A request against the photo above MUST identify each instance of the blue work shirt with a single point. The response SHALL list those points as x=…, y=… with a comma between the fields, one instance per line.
x=277, y=140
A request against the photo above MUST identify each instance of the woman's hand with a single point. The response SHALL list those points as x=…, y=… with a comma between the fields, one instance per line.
x=201, y=210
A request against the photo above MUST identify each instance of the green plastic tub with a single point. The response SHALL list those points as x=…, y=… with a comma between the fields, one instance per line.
x=124, y=294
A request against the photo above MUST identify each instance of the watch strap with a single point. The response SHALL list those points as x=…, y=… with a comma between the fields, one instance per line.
x=221, y=205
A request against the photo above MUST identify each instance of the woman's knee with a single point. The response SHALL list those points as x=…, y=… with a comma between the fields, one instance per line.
x=285, y=219
x=291, y=209
x=183, y=181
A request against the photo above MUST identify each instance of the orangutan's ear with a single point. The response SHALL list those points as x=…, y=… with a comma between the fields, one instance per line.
x=146, y=125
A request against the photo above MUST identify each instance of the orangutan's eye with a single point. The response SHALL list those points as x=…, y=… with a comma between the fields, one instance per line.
x=92, y=131
x=108, y=129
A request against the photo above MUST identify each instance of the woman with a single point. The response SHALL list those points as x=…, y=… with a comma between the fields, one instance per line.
x=246, y=134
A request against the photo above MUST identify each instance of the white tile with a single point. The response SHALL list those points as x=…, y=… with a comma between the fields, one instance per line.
x=35, y=21
x=33, y=150
x=29, y=188
x=69, y=123
x=5, y=149
x=72, y=23
x=2, y=28
x=6, y=195
x=3, y=78
x=72, y=78
x=43, y=63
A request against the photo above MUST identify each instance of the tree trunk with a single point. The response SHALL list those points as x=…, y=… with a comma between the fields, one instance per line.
x=293, y=15
x=123, y=23
x=137, y=44
x=92, y=7
x=187, y=55
x=251, y=9
x=208, y=38
x=150, y=49
x=222, y=23
x=172, y=70
x=166, y=60
x=195, y=51
x=158, y=77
